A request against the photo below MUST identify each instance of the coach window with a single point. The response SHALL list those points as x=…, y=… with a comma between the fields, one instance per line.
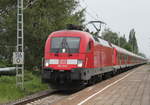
x=89, y=46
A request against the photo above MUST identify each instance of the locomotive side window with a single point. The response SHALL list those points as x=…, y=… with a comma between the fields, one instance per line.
x=70, y=44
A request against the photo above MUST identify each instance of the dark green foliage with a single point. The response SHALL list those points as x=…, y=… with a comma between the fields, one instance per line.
x=127, y=46
x=122, y=41
x=4, y=63
x=110, y=36
x=133, y=41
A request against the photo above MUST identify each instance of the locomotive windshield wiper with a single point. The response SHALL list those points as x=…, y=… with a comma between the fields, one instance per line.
x=60, y=47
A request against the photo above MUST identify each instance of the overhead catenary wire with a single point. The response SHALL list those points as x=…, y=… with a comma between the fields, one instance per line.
x=91, y=16
x=29, y=4
x=91, y=10
x=88, y=13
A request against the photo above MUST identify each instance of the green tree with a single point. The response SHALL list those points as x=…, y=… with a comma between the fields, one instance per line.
x=110, y=36
x=133, y=41
x=122, y=41
x=127, y=46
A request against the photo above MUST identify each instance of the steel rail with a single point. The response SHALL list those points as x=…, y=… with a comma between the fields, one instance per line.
x=32, y=98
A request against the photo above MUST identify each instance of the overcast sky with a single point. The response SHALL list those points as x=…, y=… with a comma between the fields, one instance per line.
x=123, y=15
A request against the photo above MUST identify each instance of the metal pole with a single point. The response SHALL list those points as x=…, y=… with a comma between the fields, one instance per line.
x=20, y=44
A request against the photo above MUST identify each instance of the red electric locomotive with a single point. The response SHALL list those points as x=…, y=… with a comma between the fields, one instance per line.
x=74, y=58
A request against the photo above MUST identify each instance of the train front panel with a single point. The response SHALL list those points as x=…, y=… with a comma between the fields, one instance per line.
x=67, y=57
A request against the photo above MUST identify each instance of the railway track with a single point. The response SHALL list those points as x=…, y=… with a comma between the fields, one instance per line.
x=41, y=98
x=49, y=99
x=32, y=98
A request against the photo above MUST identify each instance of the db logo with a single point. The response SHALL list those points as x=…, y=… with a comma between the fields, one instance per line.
x=63, y=61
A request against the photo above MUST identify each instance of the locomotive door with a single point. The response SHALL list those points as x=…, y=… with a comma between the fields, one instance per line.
x=101, y=56
x=89, y=57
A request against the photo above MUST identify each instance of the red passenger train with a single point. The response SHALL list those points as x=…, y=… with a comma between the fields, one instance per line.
x=74, y=58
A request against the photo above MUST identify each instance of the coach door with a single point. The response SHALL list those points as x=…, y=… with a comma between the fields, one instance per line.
x=115, y=57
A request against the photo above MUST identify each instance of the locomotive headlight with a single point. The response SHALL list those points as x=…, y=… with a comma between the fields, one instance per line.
x=51, y=62
x=80, y=63
x=46, y=63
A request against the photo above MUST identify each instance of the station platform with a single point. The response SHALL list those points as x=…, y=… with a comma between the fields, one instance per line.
x=129, y=88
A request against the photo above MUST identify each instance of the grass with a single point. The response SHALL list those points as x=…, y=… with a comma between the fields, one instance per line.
x=9, y=91
x=4, y=64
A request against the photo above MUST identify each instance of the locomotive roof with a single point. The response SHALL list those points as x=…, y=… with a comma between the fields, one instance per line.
x=72, y=32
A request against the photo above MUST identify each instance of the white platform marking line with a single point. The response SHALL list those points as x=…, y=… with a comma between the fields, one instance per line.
x=105, y=88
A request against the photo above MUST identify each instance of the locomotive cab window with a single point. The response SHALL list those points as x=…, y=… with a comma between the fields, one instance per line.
x=65, y=45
